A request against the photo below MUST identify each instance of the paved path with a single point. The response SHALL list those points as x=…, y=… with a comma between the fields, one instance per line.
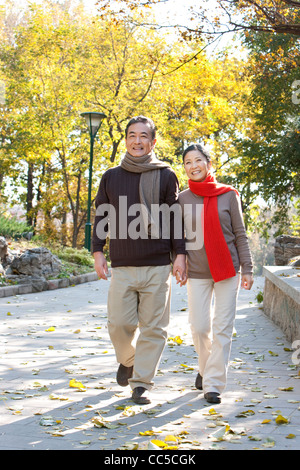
x=55, y=338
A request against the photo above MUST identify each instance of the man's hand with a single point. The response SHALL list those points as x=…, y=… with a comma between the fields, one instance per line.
x=179, y=269
x=100, y=265
x=247, y=281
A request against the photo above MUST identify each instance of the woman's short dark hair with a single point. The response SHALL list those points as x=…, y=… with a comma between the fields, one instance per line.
x=145, y=120
x=200, y=149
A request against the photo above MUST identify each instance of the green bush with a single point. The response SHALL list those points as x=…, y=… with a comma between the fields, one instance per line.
x=11, y=227
x=259, y=297
x=73, y=255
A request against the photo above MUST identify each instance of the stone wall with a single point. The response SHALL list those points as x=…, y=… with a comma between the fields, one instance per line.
x=282, y=299
x=51, y=284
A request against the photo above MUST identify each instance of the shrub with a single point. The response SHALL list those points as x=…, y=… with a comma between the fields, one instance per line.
x=11, y=227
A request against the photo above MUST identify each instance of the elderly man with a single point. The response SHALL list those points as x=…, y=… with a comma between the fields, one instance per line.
x=139, y=293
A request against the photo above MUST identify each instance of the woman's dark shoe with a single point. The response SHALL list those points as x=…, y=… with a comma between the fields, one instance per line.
x=124, y=373
x=139, y=396
x=198, y=382
x=212, y=397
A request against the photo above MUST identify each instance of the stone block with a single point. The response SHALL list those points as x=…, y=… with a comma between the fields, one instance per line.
x=25, y=289
x=10, y=290
x=286, y=247
x=282, y=299
x=89, y=277
x=53, y=284
x=64, y=282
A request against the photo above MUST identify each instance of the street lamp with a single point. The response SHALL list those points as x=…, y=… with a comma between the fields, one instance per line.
x=94, y=121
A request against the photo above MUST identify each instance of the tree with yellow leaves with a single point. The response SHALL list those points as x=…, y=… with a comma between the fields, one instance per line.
x=63, y=62
x=223, y=16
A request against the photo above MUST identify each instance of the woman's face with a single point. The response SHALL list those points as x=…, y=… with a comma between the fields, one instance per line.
x=196, y=165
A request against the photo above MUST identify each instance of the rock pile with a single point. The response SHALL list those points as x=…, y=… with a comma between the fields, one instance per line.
x=33, y=270
x=37, y=262
x=34, y=266
x=287, y=250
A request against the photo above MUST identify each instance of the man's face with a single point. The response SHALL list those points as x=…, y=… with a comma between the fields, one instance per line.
x=139, y=141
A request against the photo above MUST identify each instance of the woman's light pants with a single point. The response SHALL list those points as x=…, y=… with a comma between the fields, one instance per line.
x=139, y=298
x=212, y=309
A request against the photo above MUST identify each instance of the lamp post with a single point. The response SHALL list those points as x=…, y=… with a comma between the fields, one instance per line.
x=94, y=121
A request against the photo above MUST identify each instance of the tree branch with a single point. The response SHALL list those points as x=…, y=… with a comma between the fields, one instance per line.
x=292, y=3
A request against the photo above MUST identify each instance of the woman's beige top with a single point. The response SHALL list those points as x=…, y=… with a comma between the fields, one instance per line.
x=231, y=219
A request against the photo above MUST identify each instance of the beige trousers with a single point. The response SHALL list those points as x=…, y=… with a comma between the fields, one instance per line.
x=212, y=327
x=138, y=316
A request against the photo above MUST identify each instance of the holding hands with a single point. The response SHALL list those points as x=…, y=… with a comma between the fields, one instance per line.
x=179, y=270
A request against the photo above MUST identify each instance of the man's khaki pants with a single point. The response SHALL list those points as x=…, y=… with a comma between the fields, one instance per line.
x=212, y=327
x=139, y=298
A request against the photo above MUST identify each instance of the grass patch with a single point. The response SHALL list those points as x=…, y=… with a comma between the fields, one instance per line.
x=80, y=257
x=74, y=261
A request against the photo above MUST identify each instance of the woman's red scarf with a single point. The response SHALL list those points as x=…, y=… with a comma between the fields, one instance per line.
x=217, y=251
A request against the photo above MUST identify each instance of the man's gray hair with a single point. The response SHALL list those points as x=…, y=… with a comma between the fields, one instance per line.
x=145, y=120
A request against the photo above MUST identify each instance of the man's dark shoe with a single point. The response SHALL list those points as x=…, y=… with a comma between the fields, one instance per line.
x=198, y=382
x=124, y=373
x=212, y=397
x=139, y=396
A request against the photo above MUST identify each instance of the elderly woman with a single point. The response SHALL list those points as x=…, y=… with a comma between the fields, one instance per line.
x=218, y=259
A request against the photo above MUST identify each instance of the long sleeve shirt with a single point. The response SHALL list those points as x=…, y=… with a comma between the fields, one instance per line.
x=231, y=219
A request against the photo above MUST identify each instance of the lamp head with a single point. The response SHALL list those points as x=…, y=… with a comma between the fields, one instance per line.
x=94, y=121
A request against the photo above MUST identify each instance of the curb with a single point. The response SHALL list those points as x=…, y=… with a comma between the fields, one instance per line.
x=50, y=284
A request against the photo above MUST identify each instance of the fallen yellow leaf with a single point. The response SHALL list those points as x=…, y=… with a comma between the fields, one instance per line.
x=281, y=420
x=146, y=433
x=176, y=339
x=100, y=422
x=171, y=438
x=74, y=384
x=51, y=328
x=273, y=354
x=159, y=443
x=53, y=396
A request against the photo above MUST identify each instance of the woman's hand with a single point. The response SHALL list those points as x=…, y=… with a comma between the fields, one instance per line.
x=247, y=281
